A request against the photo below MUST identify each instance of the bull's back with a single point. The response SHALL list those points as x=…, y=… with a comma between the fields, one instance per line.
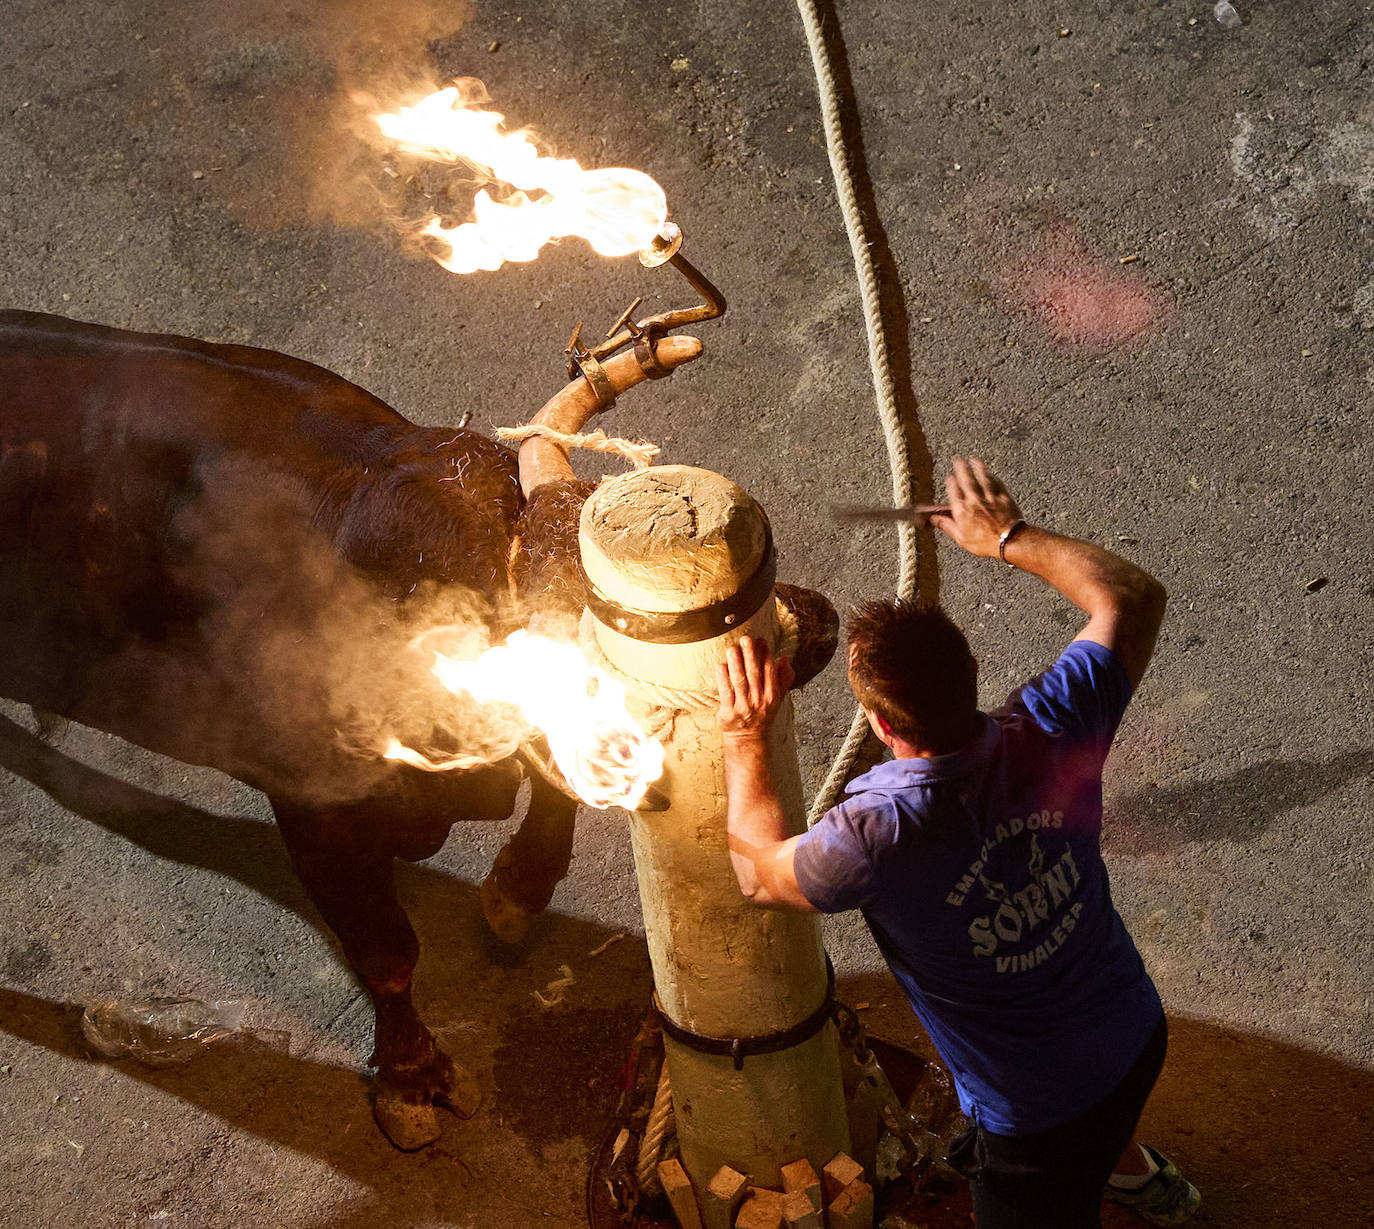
x=165, y=508
x=96, y=391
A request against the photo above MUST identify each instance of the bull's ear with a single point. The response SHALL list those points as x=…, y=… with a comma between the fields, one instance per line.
x=818, y=631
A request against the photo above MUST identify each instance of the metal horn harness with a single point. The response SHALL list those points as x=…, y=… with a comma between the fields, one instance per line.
x=644, y=334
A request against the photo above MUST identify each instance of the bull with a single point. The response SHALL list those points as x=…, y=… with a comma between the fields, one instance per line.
x=221, y=554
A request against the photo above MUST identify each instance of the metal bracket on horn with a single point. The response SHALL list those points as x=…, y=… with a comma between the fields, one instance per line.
x=583, y=362
x=644, y=335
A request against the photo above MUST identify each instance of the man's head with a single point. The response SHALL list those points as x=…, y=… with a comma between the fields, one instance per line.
x=911, y=667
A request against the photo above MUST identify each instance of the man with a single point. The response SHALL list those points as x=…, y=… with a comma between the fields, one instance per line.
x=974, y=855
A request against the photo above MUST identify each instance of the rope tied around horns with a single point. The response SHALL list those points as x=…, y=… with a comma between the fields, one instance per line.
x=639, y=453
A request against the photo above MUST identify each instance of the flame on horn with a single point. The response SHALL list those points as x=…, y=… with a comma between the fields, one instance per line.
x=540, y=198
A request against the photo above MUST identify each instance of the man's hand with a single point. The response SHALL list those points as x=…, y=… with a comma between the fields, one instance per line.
x=980, y=510
x=751, y=686
x=1124, y=603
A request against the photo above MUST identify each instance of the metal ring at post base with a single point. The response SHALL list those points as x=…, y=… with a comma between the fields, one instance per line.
x=739, y=1048
x=689, y=626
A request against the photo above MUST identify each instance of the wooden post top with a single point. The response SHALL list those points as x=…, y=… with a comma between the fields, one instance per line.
x=671, y=538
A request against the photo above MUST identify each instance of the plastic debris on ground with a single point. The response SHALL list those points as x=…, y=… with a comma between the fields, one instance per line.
x=555, y=991
x=159, y=1032
x=1225, y=13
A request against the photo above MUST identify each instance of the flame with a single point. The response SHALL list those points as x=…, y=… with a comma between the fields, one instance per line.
x=606, y=758
x=617, y=210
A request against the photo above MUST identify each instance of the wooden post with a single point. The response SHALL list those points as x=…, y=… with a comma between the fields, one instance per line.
x=666, y=540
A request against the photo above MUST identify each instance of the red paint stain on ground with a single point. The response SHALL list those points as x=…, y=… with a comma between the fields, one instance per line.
x=1092, y=307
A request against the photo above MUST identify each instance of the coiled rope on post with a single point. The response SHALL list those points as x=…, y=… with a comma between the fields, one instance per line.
x=655, y=1134
x=894, y=433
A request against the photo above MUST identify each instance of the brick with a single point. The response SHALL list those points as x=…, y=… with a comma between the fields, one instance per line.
x=678, y=1187
x=852, y=1208
x=799, y=1212
x=724, y=1194
x=761, y=1210
x=800, y=1176
x=841, y=1171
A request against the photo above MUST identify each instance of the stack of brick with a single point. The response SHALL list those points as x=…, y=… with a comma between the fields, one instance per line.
x=839, y=1198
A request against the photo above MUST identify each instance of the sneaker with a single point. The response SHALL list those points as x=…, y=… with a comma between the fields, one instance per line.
x=1168, y=1198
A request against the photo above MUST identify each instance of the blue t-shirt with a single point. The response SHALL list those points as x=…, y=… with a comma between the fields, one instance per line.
x=981, y=877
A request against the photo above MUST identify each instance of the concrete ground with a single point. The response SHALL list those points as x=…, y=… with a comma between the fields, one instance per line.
x=1135, y=256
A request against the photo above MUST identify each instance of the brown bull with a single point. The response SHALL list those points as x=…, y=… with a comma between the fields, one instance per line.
x=223, y=553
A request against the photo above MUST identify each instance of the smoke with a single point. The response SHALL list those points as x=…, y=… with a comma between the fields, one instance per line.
x=297, y=670
x=278, y=92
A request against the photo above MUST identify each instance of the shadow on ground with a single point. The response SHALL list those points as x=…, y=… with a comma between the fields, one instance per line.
x=1237, y=807
x=1274, y=1135
x=1224, y=1100
x=249, y=851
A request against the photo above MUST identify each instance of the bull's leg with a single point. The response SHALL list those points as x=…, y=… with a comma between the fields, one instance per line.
x=522, y=879
x=351, y=880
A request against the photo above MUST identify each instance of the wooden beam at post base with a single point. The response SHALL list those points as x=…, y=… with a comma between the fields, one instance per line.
x=677, y=1186
x=724, y=1194
x=798, y=1212
x=839, y=1172
x=853, y=1208
x=800, y=1176
x=761, y=1210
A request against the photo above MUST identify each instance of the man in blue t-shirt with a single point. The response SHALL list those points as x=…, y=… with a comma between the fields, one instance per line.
x=974, y=855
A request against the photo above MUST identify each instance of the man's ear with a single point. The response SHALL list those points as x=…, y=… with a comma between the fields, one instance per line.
x=879, y=727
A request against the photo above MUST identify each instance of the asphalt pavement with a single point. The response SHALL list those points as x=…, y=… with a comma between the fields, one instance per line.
x=1127, y=258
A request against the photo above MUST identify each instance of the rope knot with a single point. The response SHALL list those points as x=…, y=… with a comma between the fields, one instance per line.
x=639, y=453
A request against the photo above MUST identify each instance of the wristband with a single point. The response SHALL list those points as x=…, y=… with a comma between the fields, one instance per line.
x=1007, y=534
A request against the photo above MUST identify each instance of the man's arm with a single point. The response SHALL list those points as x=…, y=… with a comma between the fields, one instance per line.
x=752, y=687
x=1124, y=603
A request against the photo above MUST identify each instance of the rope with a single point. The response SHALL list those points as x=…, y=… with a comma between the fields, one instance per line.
x=665, y=703
x=894, y=433
x=655, y=1132
x=639, y=453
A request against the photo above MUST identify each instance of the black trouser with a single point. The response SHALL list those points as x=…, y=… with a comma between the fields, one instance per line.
x=1054, y=1179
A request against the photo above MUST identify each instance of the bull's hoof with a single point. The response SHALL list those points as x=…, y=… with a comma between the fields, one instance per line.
x=404, y=1105
x=408, y=1121
x=507, y=919
x=458, y=1092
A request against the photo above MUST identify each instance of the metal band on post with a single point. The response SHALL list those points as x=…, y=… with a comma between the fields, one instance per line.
x=739, y=1048
x=690, y=626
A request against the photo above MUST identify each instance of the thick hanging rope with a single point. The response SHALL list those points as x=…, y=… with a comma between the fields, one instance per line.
x=899, y=462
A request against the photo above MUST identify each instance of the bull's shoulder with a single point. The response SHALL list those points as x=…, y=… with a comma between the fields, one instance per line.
x=440, y=505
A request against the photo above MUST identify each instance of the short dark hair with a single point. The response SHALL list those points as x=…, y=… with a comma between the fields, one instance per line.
x=912, y=666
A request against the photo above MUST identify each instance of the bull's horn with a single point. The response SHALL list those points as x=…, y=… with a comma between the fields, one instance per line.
x=541, y=460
